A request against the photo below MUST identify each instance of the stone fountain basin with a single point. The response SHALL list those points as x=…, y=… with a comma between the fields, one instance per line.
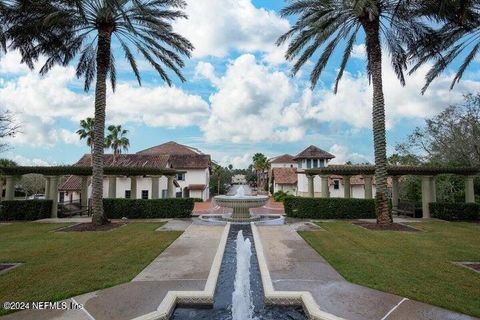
x=241, y=202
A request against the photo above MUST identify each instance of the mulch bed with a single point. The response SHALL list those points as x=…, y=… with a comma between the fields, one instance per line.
x=472, y=265
x=385, y=227
x=6, y=266
x=88, y=226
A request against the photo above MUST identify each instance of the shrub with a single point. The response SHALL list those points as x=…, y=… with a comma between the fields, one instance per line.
x=146, y=209
x=455, y=211
x=329, y=208
x=281, y=195
x=25, y=209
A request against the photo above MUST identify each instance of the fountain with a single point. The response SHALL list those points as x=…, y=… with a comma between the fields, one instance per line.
x=242, y=304
x=241, y=204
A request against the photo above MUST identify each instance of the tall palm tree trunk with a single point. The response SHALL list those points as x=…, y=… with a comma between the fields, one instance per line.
x=374, y=52
x=103, y=63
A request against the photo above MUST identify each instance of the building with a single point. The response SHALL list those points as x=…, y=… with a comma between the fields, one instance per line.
x=287, y=174
x=194, y=183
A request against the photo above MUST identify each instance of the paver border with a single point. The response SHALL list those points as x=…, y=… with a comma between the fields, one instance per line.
x=167, y=306
x=303, y=298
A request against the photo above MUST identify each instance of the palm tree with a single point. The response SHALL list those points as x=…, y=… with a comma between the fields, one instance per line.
x=117, y=140
x=218, y=172
x=87, y=131
x=260, y=163
x=64, y=30
x=323, y=24
x=458, y=35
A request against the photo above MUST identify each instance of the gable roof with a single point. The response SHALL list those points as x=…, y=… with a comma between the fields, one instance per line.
x=285, y=175
x=129, y=160
x=73, y=183
x=184, y=161
x=285, y=158
x=313, y=152
x=171, y=147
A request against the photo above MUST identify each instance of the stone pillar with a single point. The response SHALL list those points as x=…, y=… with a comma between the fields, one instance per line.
x=426, y=195
x=368, y=187
x=325, y=187
x=395, y=194
x=84, y=192
x=54, y=195
x=47, y=187
x=311, y=190
x=155, y=187
x=170, y=187
x=112, y=186
x=469, y=190
x=133, y=187
x=10, y=188
x=433, y=188
x=346, y=187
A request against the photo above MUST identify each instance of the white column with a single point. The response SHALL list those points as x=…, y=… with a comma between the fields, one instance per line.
x=10, y=188
x=155, y=187
x=368, y=187
x=133, y=187
x=346, y=187
x=170, y=187
x=469, y=190
x=311, y=190
x=54, y=195
x=112, y=186
x=84, y=192
x=426, y=196
x=47, y=187
x=325, y=187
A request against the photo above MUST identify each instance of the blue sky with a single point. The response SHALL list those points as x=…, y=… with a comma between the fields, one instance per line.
x=239, y=98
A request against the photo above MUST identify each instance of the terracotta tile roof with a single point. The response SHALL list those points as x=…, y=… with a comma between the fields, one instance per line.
x=169, y=148
x=197, y=187
x=129, y=160
x=73, y=183
x=314, y=152
x=285, y=158
x=199, y=161
x=285, y=175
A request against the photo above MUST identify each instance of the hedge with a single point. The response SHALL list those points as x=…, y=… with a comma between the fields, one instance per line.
x=455, y=211
x=146, y=209
x=329, y=208
x=25, y=209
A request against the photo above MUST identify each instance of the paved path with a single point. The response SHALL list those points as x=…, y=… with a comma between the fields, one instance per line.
x=185, y=265
x=295, y=266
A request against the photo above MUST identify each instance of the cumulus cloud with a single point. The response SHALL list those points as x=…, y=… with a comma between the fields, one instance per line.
x=39, y=103
x=251, y=104
x=343, y=154
x=216, y=27
x=25, y=161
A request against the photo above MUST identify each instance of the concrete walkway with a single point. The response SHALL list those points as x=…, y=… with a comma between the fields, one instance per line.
x=295, y=266
x=183, y=266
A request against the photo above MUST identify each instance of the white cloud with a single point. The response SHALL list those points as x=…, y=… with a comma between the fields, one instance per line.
x=217, y=26
x=343, y=154
x=251, y=104
x=10, y=63
x=238, y=162
x=156, y=106
x=359, y=51
x=24, y=161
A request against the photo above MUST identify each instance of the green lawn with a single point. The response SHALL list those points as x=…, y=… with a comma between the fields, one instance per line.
x=60, y=265
x=414, y=265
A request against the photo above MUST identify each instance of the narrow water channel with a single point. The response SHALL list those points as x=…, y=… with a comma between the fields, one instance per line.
x=222, y=307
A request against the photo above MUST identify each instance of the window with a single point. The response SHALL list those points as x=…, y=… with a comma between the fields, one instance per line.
x=179, y=194
x=144, y=194
x=300, y=164
x=315, y=163
x=180, y=177
x=322, y=163
x=164, y=193
x=309, y=163
x=128, y=194
x=336, y=184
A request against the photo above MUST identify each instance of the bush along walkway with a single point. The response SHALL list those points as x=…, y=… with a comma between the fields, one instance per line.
x=295, y=266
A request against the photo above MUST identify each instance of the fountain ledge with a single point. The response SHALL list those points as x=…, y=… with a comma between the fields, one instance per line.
x=166, y=308
x=303, y=298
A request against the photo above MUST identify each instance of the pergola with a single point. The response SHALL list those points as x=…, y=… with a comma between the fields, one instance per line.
x=427, y=174
x=52, y=175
